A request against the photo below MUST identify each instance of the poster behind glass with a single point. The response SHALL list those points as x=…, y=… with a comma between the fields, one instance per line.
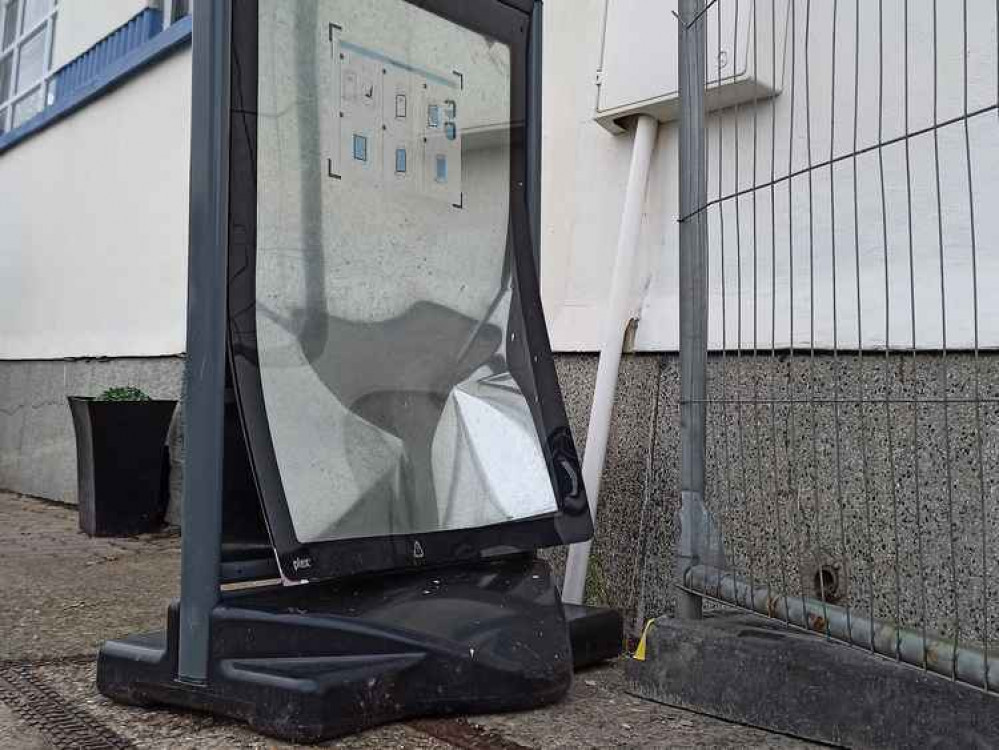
x=383, y=284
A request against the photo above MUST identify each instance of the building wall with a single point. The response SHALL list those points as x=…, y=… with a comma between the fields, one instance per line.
x=772, y=490
x=103, y=195
x=95, y=226
x=83, y=23
x=632, y=565
x=94, y=255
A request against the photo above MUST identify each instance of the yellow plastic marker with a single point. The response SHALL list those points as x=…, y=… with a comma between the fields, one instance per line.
x=639, y=654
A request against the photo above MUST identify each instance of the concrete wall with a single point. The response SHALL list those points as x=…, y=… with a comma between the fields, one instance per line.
x=774, y=494
x=37, y=444
x=776, y=524
x=907, y=538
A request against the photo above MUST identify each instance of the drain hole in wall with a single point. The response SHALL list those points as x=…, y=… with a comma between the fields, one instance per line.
x=827, y=584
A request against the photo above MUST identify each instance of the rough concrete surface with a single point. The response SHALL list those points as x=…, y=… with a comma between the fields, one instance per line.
x=827, y=475
x=37, y=444
x=759, y=672
x=62, y=593
x=14, y=735
x=807, y=466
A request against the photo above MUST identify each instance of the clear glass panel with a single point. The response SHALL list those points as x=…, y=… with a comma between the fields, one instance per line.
x=34, y=11
x=9, y=21
x=31, y=63
x=383, y=295
x=3, y=121
x=26, y=108
x=5, y=69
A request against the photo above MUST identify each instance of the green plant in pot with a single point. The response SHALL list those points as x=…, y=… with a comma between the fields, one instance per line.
x=122, y=460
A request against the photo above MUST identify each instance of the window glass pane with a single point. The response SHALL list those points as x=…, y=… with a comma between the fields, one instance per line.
x=5, y=66
x=360, y=147
x=9, y=21
x=52, y=43
x=383, y=296
x=3, y=121
x=34, y=11
x=180, y=9
x=31, y=64
x=27, y=108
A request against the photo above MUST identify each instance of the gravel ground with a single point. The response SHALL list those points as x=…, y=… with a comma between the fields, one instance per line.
x=62, y=593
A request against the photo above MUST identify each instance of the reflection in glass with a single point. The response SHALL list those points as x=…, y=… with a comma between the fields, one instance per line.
x=383, y=282
x=9, y=22
x=26, y=108
x=32, y=61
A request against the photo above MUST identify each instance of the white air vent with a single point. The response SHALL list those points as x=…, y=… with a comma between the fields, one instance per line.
x=638, y=73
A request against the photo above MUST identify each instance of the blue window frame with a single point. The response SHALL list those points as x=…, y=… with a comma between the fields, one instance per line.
x=360, y=147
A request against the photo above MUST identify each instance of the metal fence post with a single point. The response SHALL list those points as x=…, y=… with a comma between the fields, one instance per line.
x=206, y=323
x=693, y=291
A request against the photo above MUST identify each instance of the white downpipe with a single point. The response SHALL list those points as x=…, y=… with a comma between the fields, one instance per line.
x=618, y=317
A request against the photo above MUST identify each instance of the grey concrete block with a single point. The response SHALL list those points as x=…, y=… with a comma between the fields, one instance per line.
x=756, y=672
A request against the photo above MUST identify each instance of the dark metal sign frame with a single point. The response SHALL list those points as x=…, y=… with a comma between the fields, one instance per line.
x=529, y=352
x=222, y=241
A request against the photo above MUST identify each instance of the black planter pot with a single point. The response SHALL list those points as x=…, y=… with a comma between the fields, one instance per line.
x=121, y=464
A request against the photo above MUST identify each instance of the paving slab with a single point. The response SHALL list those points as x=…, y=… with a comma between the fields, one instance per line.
x=62, y=594
x=16, y=735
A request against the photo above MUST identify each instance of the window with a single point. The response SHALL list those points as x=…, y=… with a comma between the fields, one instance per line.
x=27, y=37
x=441, y=168
x=179, y=9
x=400, y=160
x=360, y=147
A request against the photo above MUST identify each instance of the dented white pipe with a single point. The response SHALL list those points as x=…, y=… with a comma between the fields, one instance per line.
x=617, y=320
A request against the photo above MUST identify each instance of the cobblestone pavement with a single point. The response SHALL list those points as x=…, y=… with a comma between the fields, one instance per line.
x=62, y=593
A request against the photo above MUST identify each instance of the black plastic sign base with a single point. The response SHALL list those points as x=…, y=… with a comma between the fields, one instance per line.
x=313, y=662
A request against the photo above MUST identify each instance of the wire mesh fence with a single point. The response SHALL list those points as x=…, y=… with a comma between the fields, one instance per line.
x=845, y=206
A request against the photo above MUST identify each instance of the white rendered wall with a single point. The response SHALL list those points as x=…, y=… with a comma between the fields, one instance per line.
x=93, y=247
x=585, y=170
x=583, y=179
x=82, y=23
